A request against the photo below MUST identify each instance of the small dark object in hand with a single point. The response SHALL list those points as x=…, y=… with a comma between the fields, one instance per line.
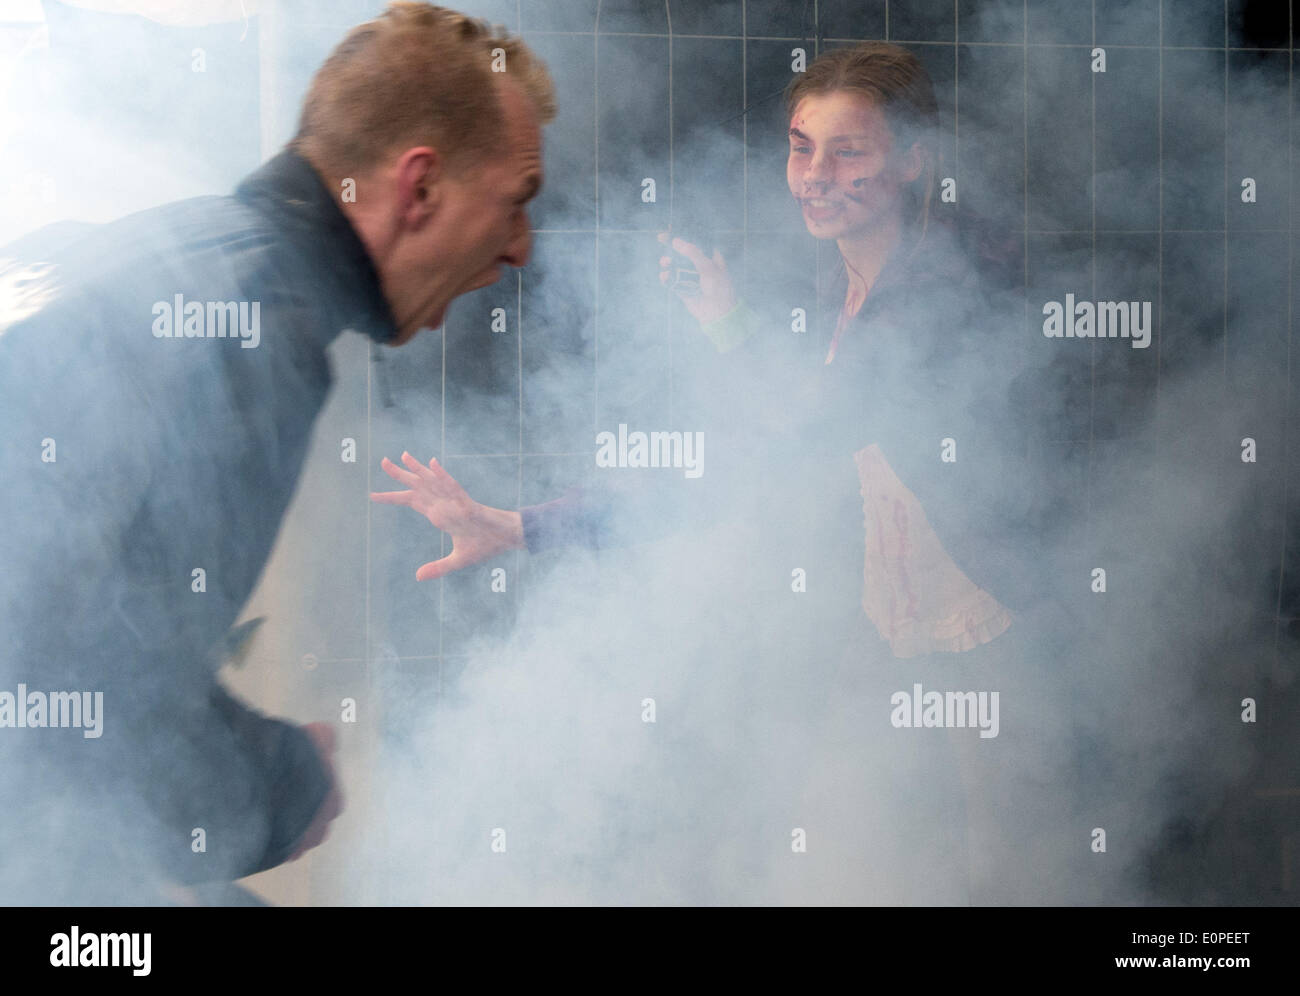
x=686, y=279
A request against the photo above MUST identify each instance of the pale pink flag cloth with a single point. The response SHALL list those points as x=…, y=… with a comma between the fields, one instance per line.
x=920, y=601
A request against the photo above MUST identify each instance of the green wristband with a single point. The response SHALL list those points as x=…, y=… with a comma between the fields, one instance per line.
x=733, y=328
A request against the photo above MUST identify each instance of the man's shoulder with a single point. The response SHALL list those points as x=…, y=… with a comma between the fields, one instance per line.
x=220, y=243
x=168, y=235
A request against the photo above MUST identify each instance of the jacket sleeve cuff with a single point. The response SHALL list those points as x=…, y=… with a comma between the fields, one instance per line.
x=299, y=789
x=733, y=328
x=295, y=779
x=570, y=520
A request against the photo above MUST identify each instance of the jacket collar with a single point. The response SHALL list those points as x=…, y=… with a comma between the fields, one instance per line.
x=937, y=260
x=289, y=190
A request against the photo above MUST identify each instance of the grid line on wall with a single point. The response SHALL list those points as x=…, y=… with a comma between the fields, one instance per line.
x=672, y=202
x=1227, y=68
x=1290, y=332
x=912, y=41
x=1160, y=209
x=1090, y=526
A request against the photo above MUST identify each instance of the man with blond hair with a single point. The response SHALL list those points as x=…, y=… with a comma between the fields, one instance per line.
x=159, y=378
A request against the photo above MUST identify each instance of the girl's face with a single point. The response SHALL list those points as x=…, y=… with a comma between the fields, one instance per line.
x=843, y=168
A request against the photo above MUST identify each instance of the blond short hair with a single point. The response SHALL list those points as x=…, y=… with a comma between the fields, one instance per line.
x=415, y=75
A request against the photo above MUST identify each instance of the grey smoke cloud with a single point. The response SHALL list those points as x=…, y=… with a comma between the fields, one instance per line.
x=504, y=752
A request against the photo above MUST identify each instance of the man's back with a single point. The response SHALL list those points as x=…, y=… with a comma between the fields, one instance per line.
x=158, y=388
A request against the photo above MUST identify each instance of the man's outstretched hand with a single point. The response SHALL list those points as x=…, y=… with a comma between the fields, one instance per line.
x=478, y=532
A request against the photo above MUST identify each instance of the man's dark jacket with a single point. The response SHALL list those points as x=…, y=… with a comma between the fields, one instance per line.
x=129, y=463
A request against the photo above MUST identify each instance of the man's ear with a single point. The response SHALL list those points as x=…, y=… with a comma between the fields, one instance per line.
x=418, y=172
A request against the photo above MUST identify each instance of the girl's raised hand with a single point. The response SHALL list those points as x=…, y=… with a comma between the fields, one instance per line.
x=715, y=295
